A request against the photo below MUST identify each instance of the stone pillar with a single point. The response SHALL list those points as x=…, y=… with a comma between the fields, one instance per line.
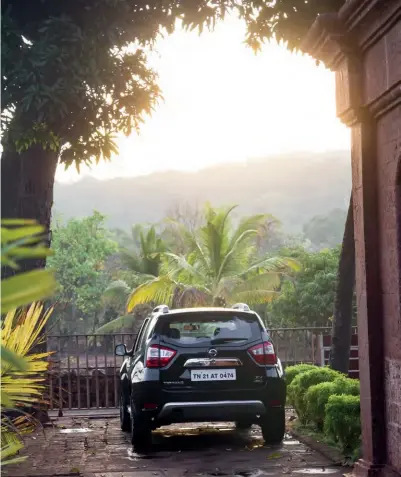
x=362, y=44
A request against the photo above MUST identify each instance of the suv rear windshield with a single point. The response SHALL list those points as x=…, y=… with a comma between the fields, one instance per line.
x=200, y=329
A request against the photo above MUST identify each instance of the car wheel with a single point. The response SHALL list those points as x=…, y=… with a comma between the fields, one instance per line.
x=125, y=418
x=243, y=425
x=141, y=432
x=273, y=426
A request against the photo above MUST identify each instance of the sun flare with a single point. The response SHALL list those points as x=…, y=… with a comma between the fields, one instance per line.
x=223, y=103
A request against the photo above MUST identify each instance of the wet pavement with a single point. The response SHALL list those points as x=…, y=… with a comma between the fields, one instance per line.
x=98, y=448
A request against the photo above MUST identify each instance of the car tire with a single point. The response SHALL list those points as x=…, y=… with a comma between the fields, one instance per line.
x=273, y=426
x=125, y=418
x=141, y=431
x=243, y=425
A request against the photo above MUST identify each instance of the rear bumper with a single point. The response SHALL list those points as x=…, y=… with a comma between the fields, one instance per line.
x=210, y=410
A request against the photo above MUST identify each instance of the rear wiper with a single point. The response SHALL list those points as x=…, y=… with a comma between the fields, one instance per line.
x=226, y=340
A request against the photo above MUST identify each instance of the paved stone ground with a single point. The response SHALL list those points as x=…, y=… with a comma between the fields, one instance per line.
x=97, y=448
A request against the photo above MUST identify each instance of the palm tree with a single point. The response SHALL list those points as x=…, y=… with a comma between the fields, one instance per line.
x=142, y=258
x=221, y=266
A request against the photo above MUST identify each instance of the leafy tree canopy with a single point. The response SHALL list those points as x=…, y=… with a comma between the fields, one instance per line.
x=81, y=247
x=308, y=298
x=75, y=73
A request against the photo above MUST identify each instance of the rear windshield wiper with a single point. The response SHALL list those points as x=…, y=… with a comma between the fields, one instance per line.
x=226, y=340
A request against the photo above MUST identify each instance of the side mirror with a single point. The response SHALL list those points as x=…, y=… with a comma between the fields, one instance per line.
x=121, y=350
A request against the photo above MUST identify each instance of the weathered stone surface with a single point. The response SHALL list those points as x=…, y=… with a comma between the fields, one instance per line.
x=202, y=450
x=362, y=43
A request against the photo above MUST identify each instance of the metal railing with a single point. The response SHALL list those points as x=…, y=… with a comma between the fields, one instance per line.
x=84, y=371
x=298, y=345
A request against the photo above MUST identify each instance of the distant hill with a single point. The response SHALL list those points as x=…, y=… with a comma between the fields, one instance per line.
x=294, y=188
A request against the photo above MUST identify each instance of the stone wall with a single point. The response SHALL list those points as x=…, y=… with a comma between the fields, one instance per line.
x=388, y=155
x=362, y=44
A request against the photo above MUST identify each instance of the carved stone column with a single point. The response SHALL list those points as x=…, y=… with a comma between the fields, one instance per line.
x=362, y=44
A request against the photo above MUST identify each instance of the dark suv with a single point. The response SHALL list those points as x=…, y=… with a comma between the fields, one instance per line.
x=202, y=364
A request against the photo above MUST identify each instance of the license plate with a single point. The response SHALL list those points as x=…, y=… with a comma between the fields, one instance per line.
x=213, y=375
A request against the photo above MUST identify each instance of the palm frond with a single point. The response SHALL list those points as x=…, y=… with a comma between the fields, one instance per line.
x=21, y=333
x=183, y=265
x=254, y=297
x=116, y=292
x=253, y=222
x=158, y=290
x=263, y=281
x=221, y=218
x=122, y=322
x=11, y=444
x=131, y=260
x=214, y=237
x=283, y=264
x=195, y=248
x=231, y=260
x=22, y=329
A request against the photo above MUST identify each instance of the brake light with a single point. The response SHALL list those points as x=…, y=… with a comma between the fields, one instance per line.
x=159, y=356
x=263, y=353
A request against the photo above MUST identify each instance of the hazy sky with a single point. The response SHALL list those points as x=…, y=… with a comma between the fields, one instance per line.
x=223, y=103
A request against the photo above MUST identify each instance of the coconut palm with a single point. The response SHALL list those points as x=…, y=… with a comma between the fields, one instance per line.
x=142, y=254
x=142, y=258
x=221, y=267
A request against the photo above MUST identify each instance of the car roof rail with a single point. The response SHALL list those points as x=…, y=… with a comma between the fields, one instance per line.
x=161, y=309
x=241, y=306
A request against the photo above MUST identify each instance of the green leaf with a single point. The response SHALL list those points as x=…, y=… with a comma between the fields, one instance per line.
x=126, y=321
x=14, y=222
x=30, y=252
x=13, y=359
x=15, y=460
x=25, y=288
x=10, y=235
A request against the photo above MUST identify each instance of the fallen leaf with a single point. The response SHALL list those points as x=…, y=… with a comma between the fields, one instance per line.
x=275, y=455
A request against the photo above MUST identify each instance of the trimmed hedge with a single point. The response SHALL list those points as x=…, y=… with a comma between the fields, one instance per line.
x=342, y=422
x=302, y=382
x=293, y=371
x=328, y=400
x=317, y=397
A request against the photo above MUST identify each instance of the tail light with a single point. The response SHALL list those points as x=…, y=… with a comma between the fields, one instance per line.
x=159, y=356
x=263, y=353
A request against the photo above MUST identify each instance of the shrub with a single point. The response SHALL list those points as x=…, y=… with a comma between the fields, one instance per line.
x=302, y=382
x=318, y=395
x=292, y=371
x=342, y=422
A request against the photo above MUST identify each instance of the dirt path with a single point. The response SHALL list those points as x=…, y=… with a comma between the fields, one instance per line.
x=98, y=448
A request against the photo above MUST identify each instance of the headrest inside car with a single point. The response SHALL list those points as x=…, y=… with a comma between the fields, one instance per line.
x=174, y=333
